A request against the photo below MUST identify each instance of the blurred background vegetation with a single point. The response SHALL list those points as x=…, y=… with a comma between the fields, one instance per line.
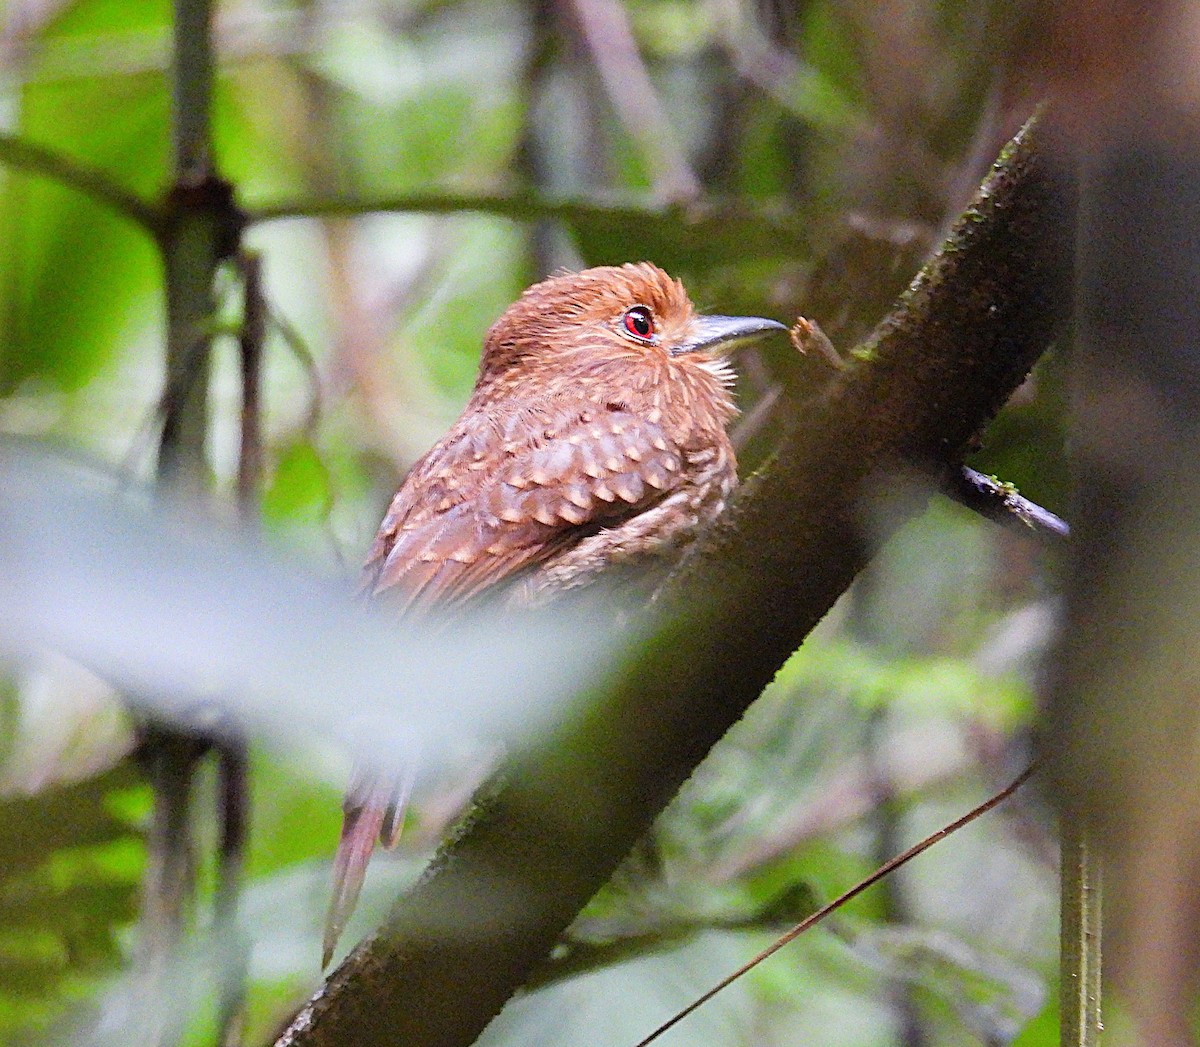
x=407, y=168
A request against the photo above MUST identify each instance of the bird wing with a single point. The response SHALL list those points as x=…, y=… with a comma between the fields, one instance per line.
x=465, y=520
x=588, y=469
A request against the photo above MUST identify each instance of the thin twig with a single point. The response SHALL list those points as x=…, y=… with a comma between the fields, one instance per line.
x=529, y=206
x=190, y=239
x=192, y=90
x=583, y=956
x=999, y=502
x=233, y=774
x=778, y=73
x=169, y=760
x=22, y=155
x=294, y=340
x=1080, y=926
x=755, y=420
x=842, y=899
x=605, y=29
x=993, y=499
x=232, y=769
x=250, y=344
x=180, y=387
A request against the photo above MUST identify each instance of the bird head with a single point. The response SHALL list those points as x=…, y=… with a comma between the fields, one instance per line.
x=632, y=316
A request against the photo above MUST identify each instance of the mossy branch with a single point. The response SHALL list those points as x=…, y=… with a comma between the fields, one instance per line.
x=935, y=372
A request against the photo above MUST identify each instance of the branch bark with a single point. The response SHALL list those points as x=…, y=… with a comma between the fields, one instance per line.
x=538, y=845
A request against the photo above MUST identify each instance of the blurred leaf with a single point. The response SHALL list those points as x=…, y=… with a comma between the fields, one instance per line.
x=207, y=630
x=950, y=686
x=107, y=22
x=74, y=275
x=36, y=826
x=296, y=817
x=993, y=997
x=70, y=873
x=828, y=45
x=445, y=330
x=676, y=28
x=256, y=128
x=1043, y=1030
x=299, y=486
x=622, y=1003
x=67, y=724
x=411, y=104
x=933, y=685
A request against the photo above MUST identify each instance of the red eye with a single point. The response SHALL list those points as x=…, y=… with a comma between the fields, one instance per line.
x=639, y=322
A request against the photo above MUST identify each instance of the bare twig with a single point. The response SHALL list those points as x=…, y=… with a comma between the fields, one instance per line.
x=755, y=420
x=250, y=342
x=794, y=84
x=604, y=26
x=169, y=760
x=1080, y=931
x=232, y=768
x=300, y=349
x=810, y=921
x=19, y=153
x=233, y=775
x=199, y=227
x=189, y=264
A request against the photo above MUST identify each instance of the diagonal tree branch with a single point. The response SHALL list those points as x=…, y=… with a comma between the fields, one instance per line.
x=537, y=846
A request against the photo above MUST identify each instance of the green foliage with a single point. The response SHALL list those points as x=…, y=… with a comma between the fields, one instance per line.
x=81, y=275
x=300, y=486
x=69, y=873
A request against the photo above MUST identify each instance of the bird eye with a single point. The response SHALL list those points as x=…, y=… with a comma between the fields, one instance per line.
x=639, y=322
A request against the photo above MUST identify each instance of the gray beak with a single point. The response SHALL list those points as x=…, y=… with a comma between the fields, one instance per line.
x=723, y=332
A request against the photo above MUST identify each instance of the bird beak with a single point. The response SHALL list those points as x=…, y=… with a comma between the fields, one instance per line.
x=723, y=332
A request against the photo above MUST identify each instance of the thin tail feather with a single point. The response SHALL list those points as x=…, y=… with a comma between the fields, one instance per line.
x=393, y=817
x=372, y=810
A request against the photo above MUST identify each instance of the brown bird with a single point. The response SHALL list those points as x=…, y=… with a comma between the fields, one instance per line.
x=595, y=440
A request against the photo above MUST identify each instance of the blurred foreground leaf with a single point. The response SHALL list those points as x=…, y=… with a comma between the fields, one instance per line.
x=206, y=629
x=991, y=996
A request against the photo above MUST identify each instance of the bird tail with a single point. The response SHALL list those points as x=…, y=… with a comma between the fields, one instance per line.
x=372, y=810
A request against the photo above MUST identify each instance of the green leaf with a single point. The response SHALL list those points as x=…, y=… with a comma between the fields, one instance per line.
x=74, y=275
x=299, y=487
x=70, y=871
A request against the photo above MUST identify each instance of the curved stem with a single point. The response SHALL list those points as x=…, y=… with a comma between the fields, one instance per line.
x=22, y=155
